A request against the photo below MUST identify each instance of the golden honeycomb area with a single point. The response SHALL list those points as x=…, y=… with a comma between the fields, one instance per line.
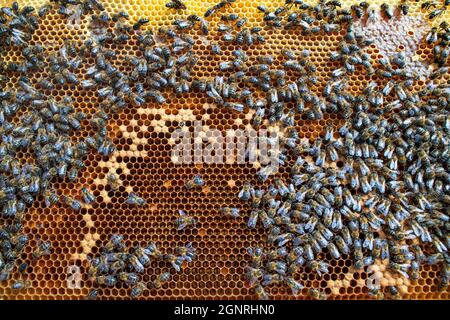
x=144, y=165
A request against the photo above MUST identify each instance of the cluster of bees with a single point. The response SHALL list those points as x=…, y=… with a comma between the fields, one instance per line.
x=119, y=264
x=12, y=245
x=70, y=7
x=435, y=8
x=378, y=187
x=18, y=24
x=375, y=188
x=116, y=263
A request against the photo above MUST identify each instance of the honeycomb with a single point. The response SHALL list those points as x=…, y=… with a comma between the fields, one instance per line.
x=144, y=165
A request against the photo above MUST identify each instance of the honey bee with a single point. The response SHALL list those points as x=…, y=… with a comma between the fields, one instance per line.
x=443, y=283
x=50, y=198
x=22, y=267
x=209, y=12
x=436, y=13
x=88, y=197
x=187, y=253
x=203, y=23
x=136, y=264
x=19, y=241
x=257, y=255
x=129, y=278
x=279, y=267
x=142, y=255
x=175, y=261
x=196, y=181
x=229, y=17
x=246, y=192
x=137, y=290
x=141, y=22
x=115, y=242
x=134, y=199
x=269, y=279
x=107, y=280
x=20, y=285
x=404, y=7
x=6, y=270
x=160, y=280
x=387, y=10
x=295, y=286
x=229, y=212
x=215, y=48
x=184, y=220
x=153, y=251
x=376, y=293
x=176, y=4
x=42, y=12
x=393, y=291
x=429, y=4
x=261, y=293
x=72, y=203
x=317, y=294
x=92, y=295
x=223, y=3
x=42, y=250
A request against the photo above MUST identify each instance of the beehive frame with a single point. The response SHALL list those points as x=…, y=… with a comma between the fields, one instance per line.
x=144, y=165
